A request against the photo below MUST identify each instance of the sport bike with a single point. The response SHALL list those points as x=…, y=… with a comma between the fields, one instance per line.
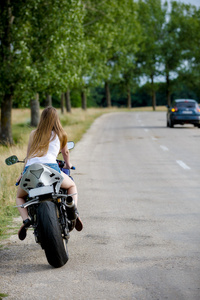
x=51, y=210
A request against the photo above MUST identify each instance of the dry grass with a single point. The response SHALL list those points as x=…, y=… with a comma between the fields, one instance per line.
x=21, y=115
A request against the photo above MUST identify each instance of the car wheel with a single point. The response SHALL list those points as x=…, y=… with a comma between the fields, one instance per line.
x=171, y=124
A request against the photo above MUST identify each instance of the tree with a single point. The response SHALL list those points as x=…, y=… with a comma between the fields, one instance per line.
x=152, y=18
x=55, y=47
x=35, y=111
x=110, y=31
x=48, y=100
x=174, y=42
x=121, y=64
x=68, y=101
x=189, y=71
x=37, y=38
x=13, y=58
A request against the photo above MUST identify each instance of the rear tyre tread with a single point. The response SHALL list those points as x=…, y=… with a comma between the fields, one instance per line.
x=50, y=235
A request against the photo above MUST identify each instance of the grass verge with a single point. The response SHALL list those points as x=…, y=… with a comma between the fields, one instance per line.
x=3, y=295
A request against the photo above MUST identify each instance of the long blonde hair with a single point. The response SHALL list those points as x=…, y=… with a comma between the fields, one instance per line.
x=49, y=122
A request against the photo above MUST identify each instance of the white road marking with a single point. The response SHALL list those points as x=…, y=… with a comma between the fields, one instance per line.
x=146, y=130
x=154, y=138
x=183, y=165
x=164, y=148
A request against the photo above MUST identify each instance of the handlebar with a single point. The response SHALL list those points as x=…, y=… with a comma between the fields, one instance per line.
x=61, y=164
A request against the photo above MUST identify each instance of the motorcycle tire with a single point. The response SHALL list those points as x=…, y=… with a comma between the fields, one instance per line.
x=49, y=230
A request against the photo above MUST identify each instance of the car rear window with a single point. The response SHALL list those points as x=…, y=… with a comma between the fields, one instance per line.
x=185, y=105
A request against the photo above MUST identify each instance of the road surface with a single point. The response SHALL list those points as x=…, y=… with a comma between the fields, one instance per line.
x=139, y=199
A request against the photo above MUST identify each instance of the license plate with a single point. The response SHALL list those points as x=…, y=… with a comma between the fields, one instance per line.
x=43, y=190
x=187, y=112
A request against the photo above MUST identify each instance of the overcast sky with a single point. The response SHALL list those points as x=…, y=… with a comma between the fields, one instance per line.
x=193, y=2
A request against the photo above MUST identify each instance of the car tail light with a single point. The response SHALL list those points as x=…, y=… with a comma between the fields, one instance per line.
x=174, y=109
x=198, y=109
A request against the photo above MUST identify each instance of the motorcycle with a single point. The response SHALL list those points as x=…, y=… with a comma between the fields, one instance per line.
x=51, y=210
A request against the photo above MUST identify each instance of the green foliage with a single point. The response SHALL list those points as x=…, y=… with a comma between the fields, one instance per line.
x=3, y=295
x=49, y=46
x=152, y=16
x=110, y=34
x=75, y=96
x=41, y=47
x=7, y=212
x=14, y=55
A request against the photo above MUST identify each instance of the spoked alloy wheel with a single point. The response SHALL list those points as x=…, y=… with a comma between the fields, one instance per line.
x=54, y=245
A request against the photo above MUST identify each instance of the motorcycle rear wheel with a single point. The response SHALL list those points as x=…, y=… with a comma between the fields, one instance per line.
x=54, y=245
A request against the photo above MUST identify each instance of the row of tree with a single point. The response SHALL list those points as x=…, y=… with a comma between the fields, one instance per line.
x=49, y=47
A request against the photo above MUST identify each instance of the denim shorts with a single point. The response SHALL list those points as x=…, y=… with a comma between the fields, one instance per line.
x=53, y=166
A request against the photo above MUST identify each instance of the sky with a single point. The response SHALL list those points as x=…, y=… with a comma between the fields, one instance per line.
x=193, y=2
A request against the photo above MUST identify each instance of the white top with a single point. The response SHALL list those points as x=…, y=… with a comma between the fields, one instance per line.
x=50, y=157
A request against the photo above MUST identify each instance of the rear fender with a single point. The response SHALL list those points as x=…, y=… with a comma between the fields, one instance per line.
x=40, y=175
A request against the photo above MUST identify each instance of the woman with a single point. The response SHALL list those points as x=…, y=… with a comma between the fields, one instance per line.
x=45, y=143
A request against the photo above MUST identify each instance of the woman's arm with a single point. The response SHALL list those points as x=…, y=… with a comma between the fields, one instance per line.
x=65, y=154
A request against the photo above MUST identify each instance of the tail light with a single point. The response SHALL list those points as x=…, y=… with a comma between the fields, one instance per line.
x=174, y=109
x=198, y=109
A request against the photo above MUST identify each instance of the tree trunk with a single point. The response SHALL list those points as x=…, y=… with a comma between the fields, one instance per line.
x=62, y=103
x=168, y=90
x=6, y=129
x=68, y=101
x=48, y=101
x=35, y=111
x=128, y=97
x=83, y=100
x=153, y=93
x=6, y=58
x=108, y=98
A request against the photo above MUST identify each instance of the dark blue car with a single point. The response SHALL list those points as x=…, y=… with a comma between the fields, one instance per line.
x=183, y=111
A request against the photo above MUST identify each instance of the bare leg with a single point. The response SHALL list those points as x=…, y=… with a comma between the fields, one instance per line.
x=21, y=194
x=70, y=186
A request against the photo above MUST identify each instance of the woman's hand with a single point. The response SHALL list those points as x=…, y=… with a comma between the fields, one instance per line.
x=67, y=166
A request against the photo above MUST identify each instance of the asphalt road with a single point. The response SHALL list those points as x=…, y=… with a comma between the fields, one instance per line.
x=139, y=199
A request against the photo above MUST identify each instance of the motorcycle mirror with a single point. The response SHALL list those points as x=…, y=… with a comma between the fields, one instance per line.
x=11, y=160
x=70, y=145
